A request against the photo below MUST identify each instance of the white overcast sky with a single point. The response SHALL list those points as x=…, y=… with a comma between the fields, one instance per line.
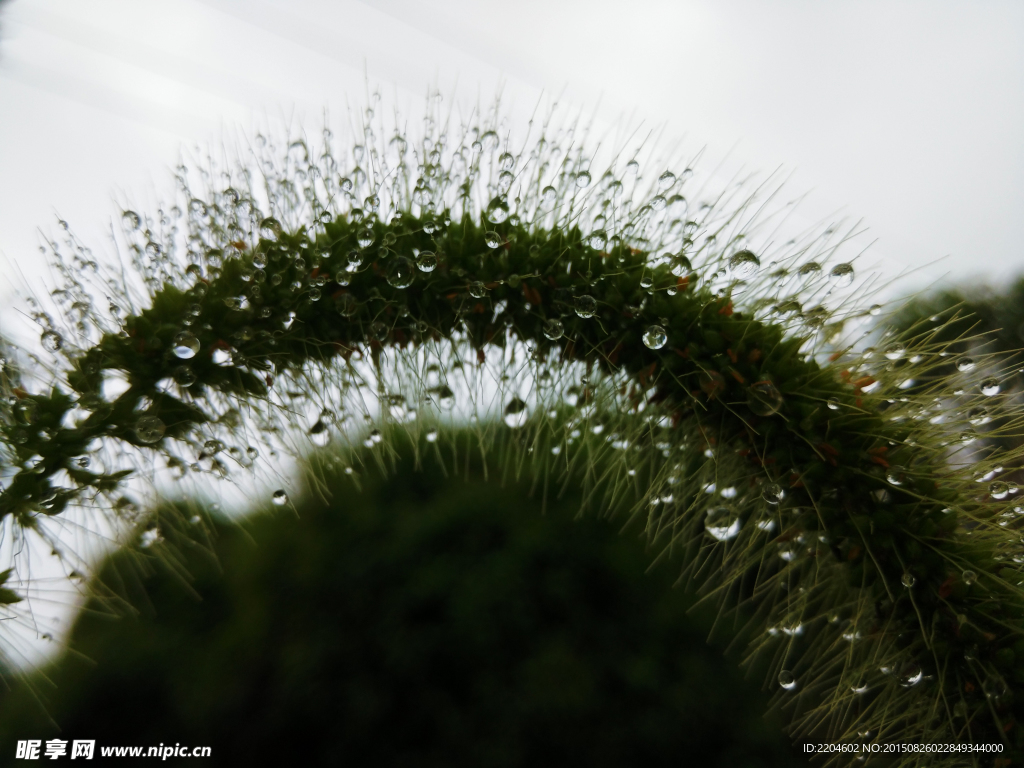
x=908, y=114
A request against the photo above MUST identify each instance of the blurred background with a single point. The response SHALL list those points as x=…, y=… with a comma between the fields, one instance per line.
x=452, y=624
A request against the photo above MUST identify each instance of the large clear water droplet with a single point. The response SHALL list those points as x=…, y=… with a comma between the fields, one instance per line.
x=426, y=262
x=401, y=272
x=598, y=240
x=772, y=493
x=497, y=210
x=553, y=329
x=130, y=220
x=787, y=680
x=744, y=264
x=908, y=580
x=842, y=274
x=477, y=289
x=184, y=375
x=999, y=490
x=990, y=386
x=51, y=340
x=516, y=413
x=280, y=498
x=365, y=238
x=666, y=180
x=764, y=399
x=681, y=265
x=895, y=351
x=722, y=523
x=492, y=239
x=965, y=364
x=655, y=337
x=185, y=345
x=149, y=429
x=320, y=433
x=270, y=228
x=585, y=306
x=445, y=398
x=969, y=577
x=583, y=179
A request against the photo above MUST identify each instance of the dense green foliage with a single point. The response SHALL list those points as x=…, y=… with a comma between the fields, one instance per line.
x=424, y=621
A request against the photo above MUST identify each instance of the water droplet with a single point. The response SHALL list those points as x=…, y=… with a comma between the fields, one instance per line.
x=445, y=398
x=896, y=475
x=842, y=274
x=764, y=399
x=147, y=539
x=910, y=675
x=722, y=523
x=506, y=161
x=773, y=493
x=401, y=272
x=965, y=364
x=184, y=375
x=787, y=680
x=280, y=498
x=655, y=337
x=149, y=429
x=270, y=228
x=809, y=268
x=51, y=340
x=859, y=688
x=969, y=577
x=497, y=210
x=908, y=580
x=744, y=264
x=990, y=386
x=583, y=179
x=477, y=289
x=681, y=265
x=346, y=304
x=378, y=331
x=548, y=195
x=553, y=329
x=633, y=167
x=978, y=415
x=833, y=403
x=875, y=310
x=586, y=306
x=516, y=413
x=185, y=345
x=130, y=220
x=999, y=490
x=598, y=239
x=492, y=239
x=895, y=351
x=666, y=180
x=646, y=281
x=431, y=436
x=968, y=436
x=365, y=238
x=426, y=262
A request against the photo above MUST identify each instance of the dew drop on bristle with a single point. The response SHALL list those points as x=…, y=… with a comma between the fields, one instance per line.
x=787, y=680
x=990, y=387
x=842, y=274
x=965, y=364
x=131, y=220
x=185, y=345
x=744, y=264
x=681, y=265
x=722, y=523
x=764, y=399
x=553, y=329
x=583, y=179
x=999, y=490
x=477, y=289
x=149, y=429
x=908, y=580
x=497, y=210
x=492, y=239
x=426, y=262
x=51, y=340
x=516, y=413
x=401, y=272
x=772, y=493
x=666, y=180
x=585, y=306
x=655, y=337
x=279, y=497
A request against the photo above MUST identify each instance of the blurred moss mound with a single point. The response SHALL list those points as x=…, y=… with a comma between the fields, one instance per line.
x=424, y=621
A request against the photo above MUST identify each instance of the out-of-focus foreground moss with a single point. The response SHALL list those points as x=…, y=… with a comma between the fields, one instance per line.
x=424, y=621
